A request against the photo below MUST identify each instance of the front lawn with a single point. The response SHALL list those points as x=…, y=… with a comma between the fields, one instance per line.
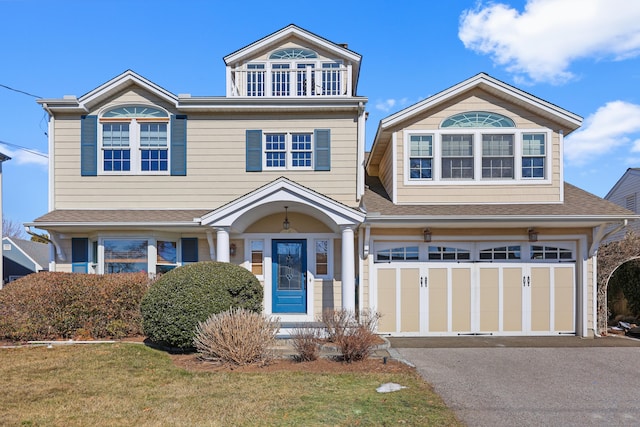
x=129, y=384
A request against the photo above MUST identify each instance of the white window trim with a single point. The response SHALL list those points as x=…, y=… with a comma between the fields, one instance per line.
x=134, y=146
x=288, y=152
x=152, y=248
x=436, y=172
x=330, y=262
x=247, y=256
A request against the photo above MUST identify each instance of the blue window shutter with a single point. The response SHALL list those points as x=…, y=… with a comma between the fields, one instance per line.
x=254, y=150
x=322, y=155
x=89, y=145
x=189, y=249
x=80, y=255
x=179, y=145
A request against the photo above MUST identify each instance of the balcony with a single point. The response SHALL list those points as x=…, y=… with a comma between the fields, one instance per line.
x=282, y=80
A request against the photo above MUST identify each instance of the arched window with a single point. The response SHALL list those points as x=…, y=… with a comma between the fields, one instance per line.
x=293, y=53
x=478, y=119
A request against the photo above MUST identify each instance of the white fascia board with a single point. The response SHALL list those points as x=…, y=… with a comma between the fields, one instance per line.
x=249, y=103
x=493, y=220
x=474, y=82
x=124, y=79
x=274, y=38
x=278, y=191
x=46, y=225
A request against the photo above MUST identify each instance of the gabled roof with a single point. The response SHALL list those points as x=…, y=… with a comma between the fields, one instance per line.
x=272, y=197
x=87, y=101
x=4, y=157
x=629, y=173
x=579, y=209
x=36, y=252
x=567, y=120
x=277, y=38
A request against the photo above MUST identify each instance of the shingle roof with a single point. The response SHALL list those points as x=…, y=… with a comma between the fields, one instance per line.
x=80, y=216
x=39, y=252
x=577, y=203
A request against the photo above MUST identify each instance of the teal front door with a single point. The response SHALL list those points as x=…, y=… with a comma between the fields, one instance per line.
x=289, y=260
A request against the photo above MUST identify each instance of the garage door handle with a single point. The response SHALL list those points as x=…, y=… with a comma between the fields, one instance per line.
x=423, y=282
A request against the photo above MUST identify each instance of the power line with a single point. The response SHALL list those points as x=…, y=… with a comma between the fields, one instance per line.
x=28, y=150
x=20, y=91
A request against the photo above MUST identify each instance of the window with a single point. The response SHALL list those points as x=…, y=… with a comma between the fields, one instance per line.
x=288, y=151
x=551, y=253
x=421, y=157
x=257, y=255
x=322, y=257
x=189, y=250
x=497, y=156
x=477, y=148
x=407, y=253
x=443, y=253
x=255, y=79
x=533, y=155
x=135, y=139
x=500, y=253
x=457, y=156
x=305, y=80
x=331, y=78
x=280, y=80
x=125, y=255
x=166, y=258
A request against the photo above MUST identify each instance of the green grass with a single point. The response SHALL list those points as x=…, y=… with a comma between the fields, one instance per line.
x=127, y=384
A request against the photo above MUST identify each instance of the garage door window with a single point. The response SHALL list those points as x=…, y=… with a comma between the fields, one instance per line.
x=500, y=253
x=444, y=253
x=406, y=253
x=551, y=253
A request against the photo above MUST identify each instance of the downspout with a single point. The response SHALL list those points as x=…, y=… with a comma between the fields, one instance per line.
x=51, y=239
x=212, y=247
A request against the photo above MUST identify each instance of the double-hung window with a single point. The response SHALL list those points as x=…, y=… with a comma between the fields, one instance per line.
x=421, y=157
x=288, y=150
x=457, y=156
x=135, y=140
x=497, y=156
x=533, y=155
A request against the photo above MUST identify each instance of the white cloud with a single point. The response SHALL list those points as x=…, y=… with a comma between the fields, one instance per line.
x=23, y=157
x=540, y=43
x=611, y=126
x=391, y=104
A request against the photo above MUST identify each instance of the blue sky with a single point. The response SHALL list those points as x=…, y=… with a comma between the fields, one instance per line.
x=583, y=55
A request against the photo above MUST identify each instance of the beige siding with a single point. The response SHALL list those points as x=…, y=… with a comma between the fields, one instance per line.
x=386, y=170
x=215, y=165
x=474, y=193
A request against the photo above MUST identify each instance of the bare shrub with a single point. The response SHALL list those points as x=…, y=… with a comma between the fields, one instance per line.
x=355, y=337
x=305, y=341
x=237, y=336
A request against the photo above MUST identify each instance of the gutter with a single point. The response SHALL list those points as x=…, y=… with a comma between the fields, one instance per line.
x=52, y=239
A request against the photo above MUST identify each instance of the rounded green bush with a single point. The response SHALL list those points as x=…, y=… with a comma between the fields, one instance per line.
x=187, y=295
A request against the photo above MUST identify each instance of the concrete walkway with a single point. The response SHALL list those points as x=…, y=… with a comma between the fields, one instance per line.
x=555, y=381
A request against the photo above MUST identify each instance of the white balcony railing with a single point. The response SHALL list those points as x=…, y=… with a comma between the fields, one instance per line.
x=331, y=80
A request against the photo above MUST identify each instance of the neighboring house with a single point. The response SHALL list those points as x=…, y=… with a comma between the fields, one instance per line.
x=625, y=193
x=3, y=158
x=464, y=225
x=22, y=257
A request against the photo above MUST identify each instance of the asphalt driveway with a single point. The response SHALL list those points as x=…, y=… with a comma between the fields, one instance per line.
x=491, y=381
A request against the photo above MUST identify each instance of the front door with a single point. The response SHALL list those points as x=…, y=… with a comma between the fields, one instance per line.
x=289, y=276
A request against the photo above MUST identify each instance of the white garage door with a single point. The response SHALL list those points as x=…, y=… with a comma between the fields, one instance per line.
x=464, y=297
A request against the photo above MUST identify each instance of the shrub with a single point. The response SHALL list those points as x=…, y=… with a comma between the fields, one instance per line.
x=71, y=305
x=355, y=339
x=187, y=295
x=306, y=343
x=237, y=336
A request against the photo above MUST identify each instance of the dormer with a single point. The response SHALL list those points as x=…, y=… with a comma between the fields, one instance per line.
x=292, y=63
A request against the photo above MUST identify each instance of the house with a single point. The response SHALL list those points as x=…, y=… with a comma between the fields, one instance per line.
x=625, y=193
x=22, y=257
x=3, y=158
x=457, y=222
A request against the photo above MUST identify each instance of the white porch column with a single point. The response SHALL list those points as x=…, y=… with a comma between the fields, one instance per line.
x=348, y=270
x=222, y=249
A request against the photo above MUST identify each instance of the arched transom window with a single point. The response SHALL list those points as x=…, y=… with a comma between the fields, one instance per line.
x=478, y=119
x=293, y=53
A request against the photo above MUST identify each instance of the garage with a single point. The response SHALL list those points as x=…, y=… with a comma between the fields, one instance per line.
x=475, y=288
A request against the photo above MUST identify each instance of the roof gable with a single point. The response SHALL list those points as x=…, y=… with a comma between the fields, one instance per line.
x=566, y=120
x=89, y=100
x=285, y=34
x=631, y=173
